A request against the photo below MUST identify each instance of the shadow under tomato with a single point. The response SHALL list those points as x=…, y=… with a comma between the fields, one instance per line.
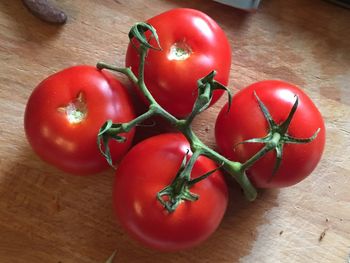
x=238, y=230
x=231, y=241
x=73, y=219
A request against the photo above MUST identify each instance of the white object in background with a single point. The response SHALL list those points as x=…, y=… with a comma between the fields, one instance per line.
x=241, y=4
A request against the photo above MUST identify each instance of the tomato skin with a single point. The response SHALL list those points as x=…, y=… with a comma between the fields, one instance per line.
x=68, y=146
x=173, y=83
x=149, y=167
x=245, y=121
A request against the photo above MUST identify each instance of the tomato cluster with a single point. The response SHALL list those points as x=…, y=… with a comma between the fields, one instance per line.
x=65, y=112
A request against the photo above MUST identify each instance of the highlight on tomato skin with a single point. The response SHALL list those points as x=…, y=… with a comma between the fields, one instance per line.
x=193, y=45
x=65, y=112
x=245, y=121
x=146, y=169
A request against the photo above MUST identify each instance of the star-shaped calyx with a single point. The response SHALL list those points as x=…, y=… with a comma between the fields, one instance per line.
x=276, y=137
x=179, y=189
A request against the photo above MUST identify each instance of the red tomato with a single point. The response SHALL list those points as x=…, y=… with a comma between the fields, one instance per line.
x=193, y=45
x=149, y=167
x=64, y=114
x=245, y=120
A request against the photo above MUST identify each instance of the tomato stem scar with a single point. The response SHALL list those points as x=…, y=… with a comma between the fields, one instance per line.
x=76, y=110
x=179, y=51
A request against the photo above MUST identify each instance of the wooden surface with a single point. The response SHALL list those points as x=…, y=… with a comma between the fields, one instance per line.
x=48, y=216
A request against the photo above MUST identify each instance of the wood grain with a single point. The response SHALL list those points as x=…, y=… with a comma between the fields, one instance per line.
x=49, y=216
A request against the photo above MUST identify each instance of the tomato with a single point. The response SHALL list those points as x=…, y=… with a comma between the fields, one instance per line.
x=149, y=167
x=64, y=113
x=192, y=45
x=245, y=120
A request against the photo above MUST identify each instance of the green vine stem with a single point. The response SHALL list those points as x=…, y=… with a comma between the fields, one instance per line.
x=179, y=189
x=206, y=86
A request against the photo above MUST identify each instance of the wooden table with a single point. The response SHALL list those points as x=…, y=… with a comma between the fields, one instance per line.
x=50, y=216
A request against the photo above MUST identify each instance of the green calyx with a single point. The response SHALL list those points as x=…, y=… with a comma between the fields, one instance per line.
x=179, y=190
x=206, y=87
x=109, y=131
x=276, y=137
x=138, y=32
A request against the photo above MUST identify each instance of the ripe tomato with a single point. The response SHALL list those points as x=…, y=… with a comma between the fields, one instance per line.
x=149, y=167
x=192, y=46
x=245, y=120
x=64, y=113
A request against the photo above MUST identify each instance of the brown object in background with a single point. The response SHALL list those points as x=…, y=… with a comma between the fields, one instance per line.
x=46, y=11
